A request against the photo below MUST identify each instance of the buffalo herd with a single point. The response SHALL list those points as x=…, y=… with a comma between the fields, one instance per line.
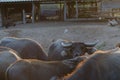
x=59, y=50
x=25, y=59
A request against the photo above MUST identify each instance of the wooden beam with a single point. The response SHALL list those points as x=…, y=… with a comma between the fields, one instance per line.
x=0, y=17
x=65, y=10
x=24, y=20
x=76, y=9
x=33, y=12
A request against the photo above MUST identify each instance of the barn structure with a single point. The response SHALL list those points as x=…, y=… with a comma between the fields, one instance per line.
x=31, y=11
x=110, y=8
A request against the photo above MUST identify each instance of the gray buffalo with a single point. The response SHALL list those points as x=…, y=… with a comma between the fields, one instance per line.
x=102, y=65
x=7, y=57
x=26, y=48
x=63, y=49
x=33, y=69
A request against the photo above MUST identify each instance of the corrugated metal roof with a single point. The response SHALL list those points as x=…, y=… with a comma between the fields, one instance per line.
x=17, y=0
x=88, y=0
x=42, y=0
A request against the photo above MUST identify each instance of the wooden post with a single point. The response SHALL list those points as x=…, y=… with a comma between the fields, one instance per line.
x=60, y=15
x=39, y=12
x=0, y=17
x=76, y=9
x=65, y=10
x=3, y=13
x=24, y=20
x=33, y=12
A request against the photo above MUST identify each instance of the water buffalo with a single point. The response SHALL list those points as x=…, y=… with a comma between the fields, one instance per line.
x=102, y=65
x=33, y=69
x=26, y=48
x=59, y=50
x=7, y=56
x=63, y=49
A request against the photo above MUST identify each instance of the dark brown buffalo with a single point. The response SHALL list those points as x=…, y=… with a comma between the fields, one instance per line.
x=31, y=69
x=7, y=56
x=26, y=48
x=102, y=65
x=64, y=49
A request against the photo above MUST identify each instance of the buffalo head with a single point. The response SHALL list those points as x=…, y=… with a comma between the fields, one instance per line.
x=63, y=49
x=78, y=48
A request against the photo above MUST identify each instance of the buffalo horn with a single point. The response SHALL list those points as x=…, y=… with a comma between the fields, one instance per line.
x=91, y=44
x=66, y=44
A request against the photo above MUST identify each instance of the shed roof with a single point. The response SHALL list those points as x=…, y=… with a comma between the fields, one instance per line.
x=42, y=0
x=17, y=0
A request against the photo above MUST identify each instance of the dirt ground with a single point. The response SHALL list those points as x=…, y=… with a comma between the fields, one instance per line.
x=46, y=32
